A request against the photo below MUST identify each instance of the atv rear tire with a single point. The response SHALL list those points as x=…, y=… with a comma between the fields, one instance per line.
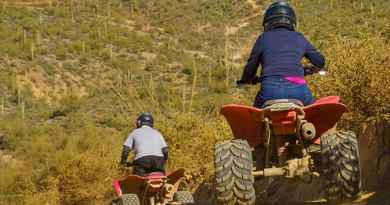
x=129, y=199
x=340, y=166
x=233, y=173
x=184, y=198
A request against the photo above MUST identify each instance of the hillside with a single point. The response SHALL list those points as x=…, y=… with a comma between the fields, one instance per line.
x=74, y=75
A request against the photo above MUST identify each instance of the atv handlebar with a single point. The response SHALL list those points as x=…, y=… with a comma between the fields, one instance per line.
x=126, y=165
x=309, y=70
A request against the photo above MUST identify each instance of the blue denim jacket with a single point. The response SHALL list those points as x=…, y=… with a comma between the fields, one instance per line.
x=280, y=52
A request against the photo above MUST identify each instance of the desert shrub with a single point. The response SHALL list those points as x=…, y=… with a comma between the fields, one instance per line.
x=359, y=79
x=68, y=104
x=66, y=151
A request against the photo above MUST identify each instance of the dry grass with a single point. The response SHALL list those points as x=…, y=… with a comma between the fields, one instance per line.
x=116, y=63
x=30, y=3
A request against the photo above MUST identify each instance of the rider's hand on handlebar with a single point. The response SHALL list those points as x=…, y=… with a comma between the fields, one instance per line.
x=126, y=165
x=254, y=81
x=311, y=69
x=126, y=168
x=240, y=82
x=129, y=164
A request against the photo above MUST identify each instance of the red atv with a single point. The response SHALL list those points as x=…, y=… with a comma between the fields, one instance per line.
x=290, y=140
x=154, y=189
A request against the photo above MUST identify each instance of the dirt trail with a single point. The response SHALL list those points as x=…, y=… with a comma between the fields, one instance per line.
x=253, y=4
x=303, y=195
x=235, y=27
x=31, y=3
x=382, y=197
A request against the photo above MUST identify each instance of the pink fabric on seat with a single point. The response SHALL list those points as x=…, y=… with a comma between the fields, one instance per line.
x=296, y=80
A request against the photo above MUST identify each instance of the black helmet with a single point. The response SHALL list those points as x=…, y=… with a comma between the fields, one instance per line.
x=145, y=118
x=279, y=14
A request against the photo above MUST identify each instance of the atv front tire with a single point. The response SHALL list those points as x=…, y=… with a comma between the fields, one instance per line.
x=340, y=166
x=233, y=173
x=129, y=199
x=184, y=198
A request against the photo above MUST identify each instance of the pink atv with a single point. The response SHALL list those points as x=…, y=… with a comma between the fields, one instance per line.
x=286, y=139
x=154, y=189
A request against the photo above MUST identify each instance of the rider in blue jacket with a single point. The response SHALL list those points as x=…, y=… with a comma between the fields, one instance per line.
x=280, y=50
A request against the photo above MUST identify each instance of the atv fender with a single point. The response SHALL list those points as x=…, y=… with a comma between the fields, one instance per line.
x=246, y=122
x=134, y=184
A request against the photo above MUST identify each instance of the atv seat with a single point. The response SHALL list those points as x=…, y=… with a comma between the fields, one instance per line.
x=279, y=101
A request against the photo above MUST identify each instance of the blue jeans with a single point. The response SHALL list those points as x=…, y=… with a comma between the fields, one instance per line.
x=276, y=87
